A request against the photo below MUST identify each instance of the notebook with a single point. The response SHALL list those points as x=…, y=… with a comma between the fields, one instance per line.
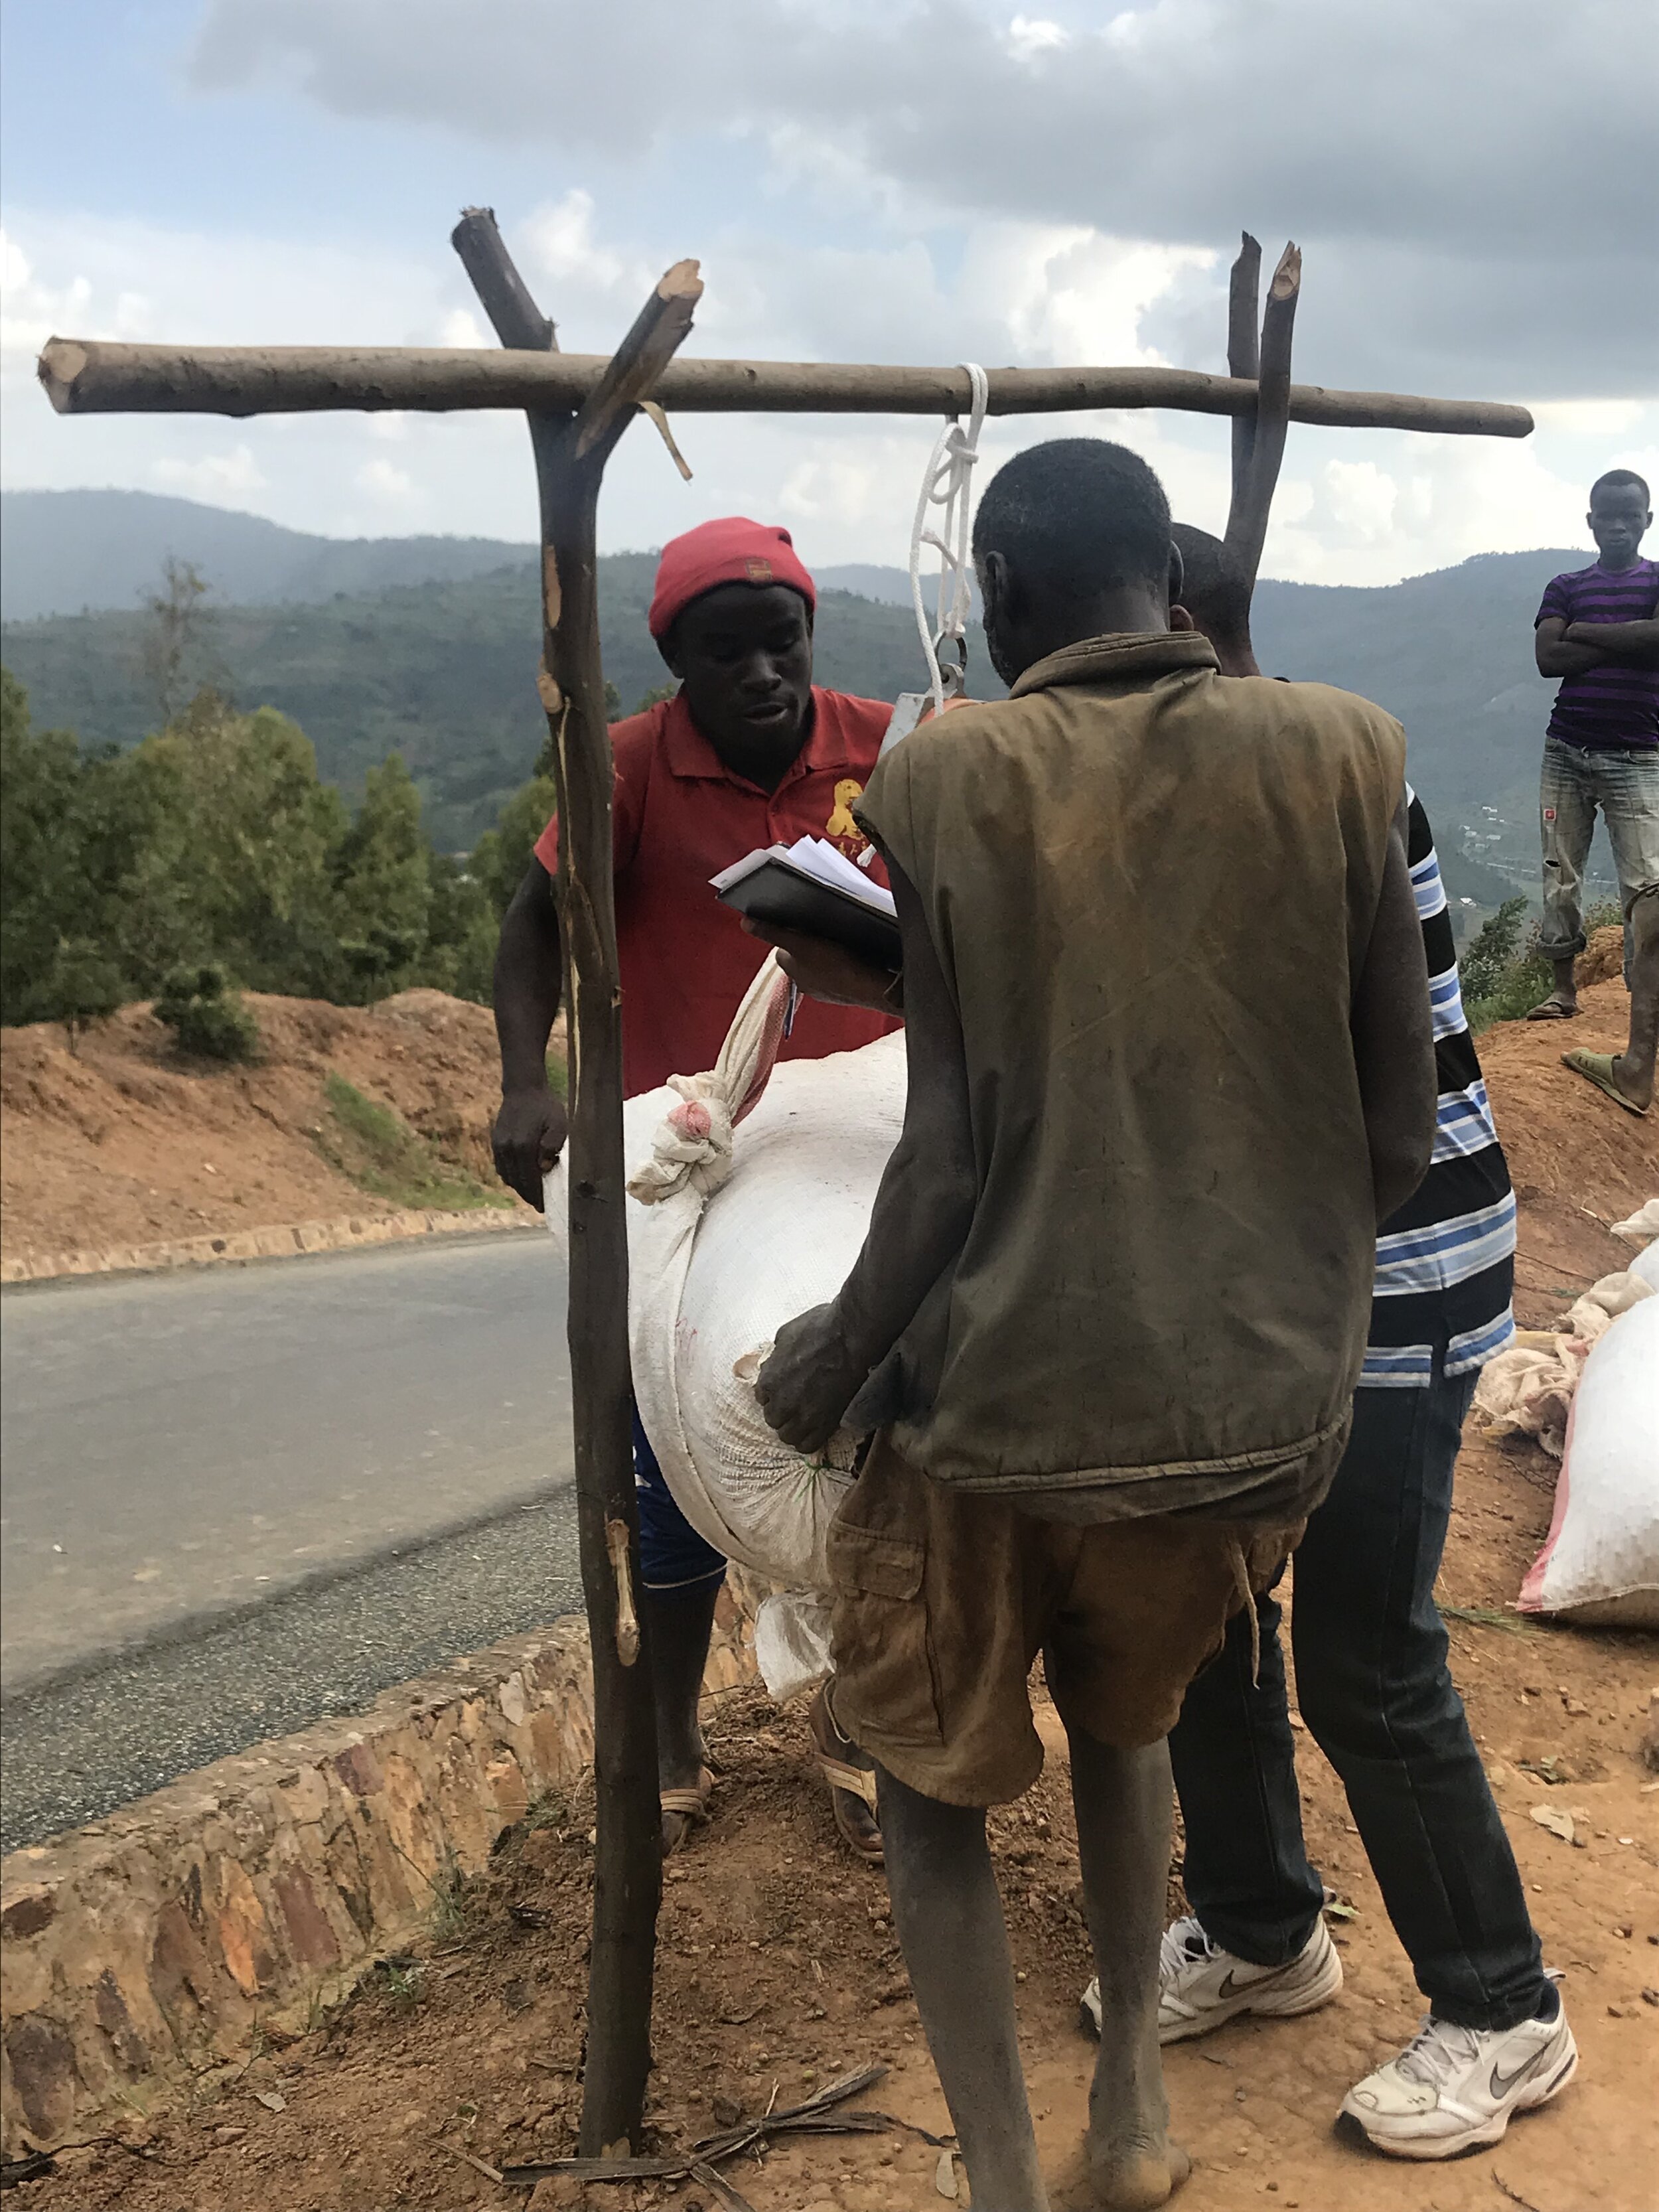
x=813, y=887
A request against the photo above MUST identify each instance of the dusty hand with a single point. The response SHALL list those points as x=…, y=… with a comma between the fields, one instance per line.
x=527, y=1138
x=824, y=969
x=808, y=1383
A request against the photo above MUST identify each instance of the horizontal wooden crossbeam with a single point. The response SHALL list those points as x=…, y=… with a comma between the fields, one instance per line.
x=94, y=376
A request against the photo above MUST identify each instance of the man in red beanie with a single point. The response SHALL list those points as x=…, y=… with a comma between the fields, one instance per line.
x=749, y=752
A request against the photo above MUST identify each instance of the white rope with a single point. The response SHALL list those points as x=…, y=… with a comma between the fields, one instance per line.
x=947, y=485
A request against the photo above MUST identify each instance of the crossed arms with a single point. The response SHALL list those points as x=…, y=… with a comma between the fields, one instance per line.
x=1565, y=648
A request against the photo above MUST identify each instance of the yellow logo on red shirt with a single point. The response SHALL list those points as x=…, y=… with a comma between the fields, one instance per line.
x=840, y=823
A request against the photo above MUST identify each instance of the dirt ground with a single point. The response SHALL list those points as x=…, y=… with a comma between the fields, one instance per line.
x=124, y=1142
x=778, y=1970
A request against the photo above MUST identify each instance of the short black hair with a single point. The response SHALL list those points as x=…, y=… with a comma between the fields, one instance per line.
x=1616, y=479
x=1214, y=588
x=1075, y=515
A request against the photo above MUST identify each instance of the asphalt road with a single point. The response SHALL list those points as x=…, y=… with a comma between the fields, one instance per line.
x=240, y=1499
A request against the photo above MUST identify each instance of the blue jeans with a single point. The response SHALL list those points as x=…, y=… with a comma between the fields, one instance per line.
x=1623, y=781
x=1377, y=1698
x=672, y=1556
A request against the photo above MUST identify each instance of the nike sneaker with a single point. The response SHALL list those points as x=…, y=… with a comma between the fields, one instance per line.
x=1453, y=2088
x=1201, y=1986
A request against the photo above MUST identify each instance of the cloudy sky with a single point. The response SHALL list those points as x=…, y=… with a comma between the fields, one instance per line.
x=1470, y=180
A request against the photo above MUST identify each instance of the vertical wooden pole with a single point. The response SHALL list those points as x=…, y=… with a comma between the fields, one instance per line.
x=571, y=451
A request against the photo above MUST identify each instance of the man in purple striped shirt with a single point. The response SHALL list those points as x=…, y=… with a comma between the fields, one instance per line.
x=1598, y=629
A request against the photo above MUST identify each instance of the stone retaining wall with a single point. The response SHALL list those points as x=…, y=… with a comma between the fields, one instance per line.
x=137, y=1953
x=280, y=1244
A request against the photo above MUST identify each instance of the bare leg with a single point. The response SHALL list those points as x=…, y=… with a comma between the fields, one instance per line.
x=679, y=1624
x=1123, y=1801
x=950, y=1929
x=1632, y=1071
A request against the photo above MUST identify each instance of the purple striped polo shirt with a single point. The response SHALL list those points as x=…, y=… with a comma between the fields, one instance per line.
x=1618, y=703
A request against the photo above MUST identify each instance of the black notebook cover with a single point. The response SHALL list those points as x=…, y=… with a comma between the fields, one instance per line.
x=789, y=899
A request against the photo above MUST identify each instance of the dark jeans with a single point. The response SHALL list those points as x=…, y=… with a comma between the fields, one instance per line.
x=1377, y=1698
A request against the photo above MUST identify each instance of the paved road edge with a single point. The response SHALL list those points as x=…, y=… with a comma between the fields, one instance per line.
x=139, y=1952
x=288, y=1241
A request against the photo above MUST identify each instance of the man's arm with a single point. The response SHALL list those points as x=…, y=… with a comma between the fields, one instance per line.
x=1393, y=1031
x=1556, y=657
x=531, y=1128
x=1633, y=640
x=923, y=1211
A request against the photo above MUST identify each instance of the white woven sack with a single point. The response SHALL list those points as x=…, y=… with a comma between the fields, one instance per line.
x=750, y=1196
x=1600, y=1563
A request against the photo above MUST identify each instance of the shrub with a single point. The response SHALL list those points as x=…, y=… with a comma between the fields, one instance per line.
x=85, y=986
x=1503, y=977
x=1482, y=966
x=207, y=1016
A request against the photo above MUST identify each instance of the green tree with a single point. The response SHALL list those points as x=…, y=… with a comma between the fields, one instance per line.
x=84, y=985
x=503, y=855
x=461, y=933
x=238, y=863
x=39, y=774
x=175, y=651
x=382, y=870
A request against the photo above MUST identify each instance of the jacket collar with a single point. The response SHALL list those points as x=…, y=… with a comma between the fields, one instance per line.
x=1136, y=658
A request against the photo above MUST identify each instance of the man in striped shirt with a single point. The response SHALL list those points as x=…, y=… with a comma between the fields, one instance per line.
x=1374, y=1686
x=1597, y=629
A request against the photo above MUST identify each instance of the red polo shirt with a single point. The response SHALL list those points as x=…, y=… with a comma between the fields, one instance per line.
x=679, y=815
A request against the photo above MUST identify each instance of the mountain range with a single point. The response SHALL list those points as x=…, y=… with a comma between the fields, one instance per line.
x=430, y=644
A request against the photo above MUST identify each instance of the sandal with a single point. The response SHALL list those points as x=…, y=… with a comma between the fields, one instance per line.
x=683, y=1809
x=1596, y=1067
x=1552, y=1009
x=852, y=1778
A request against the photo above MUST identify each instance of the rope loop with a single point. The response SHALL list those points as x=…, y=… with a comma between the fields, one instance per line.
x=945, y=484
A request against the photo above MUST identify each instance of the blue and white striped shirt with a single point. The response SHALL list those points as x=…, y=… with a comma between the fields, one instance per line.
x=1445, y=1261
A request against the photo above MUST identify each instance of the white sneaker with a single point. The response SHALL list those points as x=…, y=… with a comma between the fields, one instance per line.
x=1200, y=1986
x=1452, y=2088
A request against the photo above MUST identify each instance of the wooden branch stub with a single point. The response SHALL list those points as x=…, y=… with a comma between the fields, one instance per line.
x=502, y=292
x=95, y=376
x=1247, y=523
x=659, y=328
x=1243, y=345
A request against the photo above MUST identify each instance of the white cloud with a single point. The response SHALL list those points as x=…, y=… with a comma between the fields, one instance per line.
x=1432, y=159
x=31, y=311
x=1353, y=507
x=218, y=479
x=1031, y=36
x=384, y=482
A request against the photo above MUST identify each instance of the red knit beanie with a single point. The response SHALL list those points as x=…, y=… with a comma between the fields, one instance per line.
x=732, y=550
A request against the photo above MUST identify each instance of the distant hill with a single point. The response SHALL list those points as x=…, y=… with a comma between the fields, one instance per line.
x=444, y=672
x=64, y=551
x=75, y=552
x=430, y=644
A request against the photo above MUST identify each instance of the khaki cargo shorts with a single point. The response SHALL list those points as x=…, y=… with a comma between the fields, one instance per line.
x=941, y=1601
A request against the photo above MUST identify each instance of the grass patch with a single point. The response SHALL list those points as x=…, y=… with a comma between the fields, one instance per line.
x=398, y=1983
x=1485, y=1616
x=454, y=1903
x=380, y=1153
